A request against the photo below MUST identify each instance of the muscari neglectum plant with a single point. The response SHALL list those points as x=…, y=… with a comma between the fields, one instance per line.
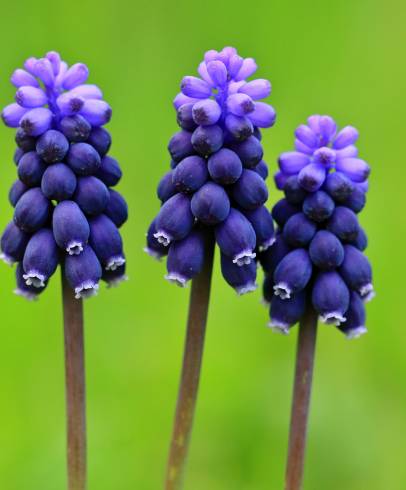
x=316, y=267
x=65, y=210
x=214, y=192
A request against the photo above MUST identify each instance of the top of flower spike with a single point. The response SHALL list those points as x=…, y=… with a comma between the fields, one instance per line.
x=321, y=149
x=222, y=90
x=47, y=90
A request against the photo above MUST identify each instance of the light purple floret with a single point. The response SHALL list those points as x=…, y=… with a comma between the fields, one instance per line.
x=47, y=90
x=320, y=148
x=222, y=80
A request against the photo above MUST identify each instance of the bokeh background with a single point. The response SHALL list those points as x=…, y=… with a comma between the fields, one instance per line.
x=342, y=58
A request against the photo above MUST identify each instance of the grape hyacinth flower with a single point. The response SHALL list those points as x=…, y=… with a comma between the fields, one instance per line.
x=65, y=210
x=317, y=268
x=214, y=191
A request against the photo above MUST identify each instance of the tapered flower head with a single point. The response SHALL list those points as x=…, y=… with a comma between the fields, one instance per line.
x=65, y=210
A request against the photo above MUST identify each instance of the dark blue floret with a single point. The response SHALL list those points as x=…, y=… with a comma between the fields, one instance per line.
x=76, y=128
x=109, y=171
x=330, y=297
x=225, y=167
x=52, y=146
x=318, y=206
x=344, y=224
x=190, y=174
x=175, y=219
x=354, y=325
x=91, y=195
x=293, y=273
x=83, y=272
x=166, y=188
x=41, y=258
x=240, y=277
x=286, y=312
x=24, y=141
x=180, y=145
x=250, y=191
x=261, y=221
x=31, y=169
x=13, y=243
x=106, y=242
x=58, y=182
x=70, y=227
x=357, y=272
x=299, y=230
x=210, y=204
x=83, y=159
x=29, y=292
x=32, y=210
x=326, y=250
x=207, y=139
x=250, y=152
x=117, y=209
x=283, y=210
x=16, y=191
x=100, y=139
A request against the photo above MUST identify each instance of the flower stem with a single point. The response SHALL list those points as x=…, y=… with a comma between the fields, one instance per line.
x=75, y=388
x=192, y=361
x=301, y=400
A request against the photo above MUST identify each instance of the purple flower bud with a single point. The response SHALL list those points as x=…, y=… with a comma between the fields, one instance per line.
x=70, y=103
x=261, y=221
x=363, y=186
x=24, y=141
x=32, y=210
x=36, y=121
x=55, y=60
x=361, y=242
x=292, y=162
x=327, y=129
x=83, y=159
x=236, y=238
x=318, y=206
x=326, y=250
x=356, y=201
x=262, y=169
x=87, y=91
x=240, y=104
x=41, y=258
x=330, y=297
x=240, y=128
x=186, y=258
x=44, y=71
x=286, y=312
x=306, y=135
x=58, y=182
x=206, y=112
x=12, y=115
x=283, y=210
x=343, y=223
x=175, y=219
x=83, y=273
x=117, y=209
x=76, y=75
x=207, y=139
x=180, y=145
x=16, y=191
x=52, y=146
x=116, y=277
x=166, y=189
x=195, y=87
x=210, y=204
x=347, y=136
x=271, y=257
x=354, y=326
x=312, y=177
x=357, y=273
x=267, y=290
x=257, y=89
x=225, y=166
x=324, y=156
x=338, y=186
x=106, y=241
x=30, y=169
x=294, y=192
x=29, y=65
x=75, y=128
x=184, y=117
x=202, y=71
x=28, y=292
x=109, y=171
x=234, y=65
x=280, y=180
x=21, y=78
x=354, y=168
x=217, y=72
x=92, y=195
x=240, y=277
x=292, y=274
x=302, y=148
x=18, y=153
x=190, y=174
x=30, y=97
x=263, y=115
x=13, y=244
x=250, y=191
x=350, y=151
x=250, y=151
x=154, y=248
x=182, y=99
x=100, y=139
x=70, y=227
x=248, y=68
x=299, y=230
x=97, y=112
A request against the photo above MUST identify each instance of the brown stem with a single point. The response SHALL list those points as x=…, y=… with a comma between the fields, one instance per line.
x=75, y=388
x=192, y=361
x=301, y=400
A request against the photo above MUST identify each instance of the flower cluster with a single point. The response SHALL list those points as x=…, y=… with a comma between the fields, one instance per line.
x=65, y=210
x=318, y=255
x=217, y=179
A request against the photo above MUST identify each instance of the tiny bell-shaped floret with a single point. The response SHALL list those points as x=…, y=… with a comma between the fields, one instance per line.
x=190, y=174
x=154, y=248
x=180, y=145
x=240, y=277
x=185, y=258
x=109, y=171
x=299, y=230
x=357, y=272
x=283, y=210
x=58, y=182
x=31, y=169
x=116, y=209
x=52, y=146
x=116, y=277
x=270, y=258
x=294, y=192
x=250, y=191
x=354, y=325
x=13, y=243
x=24, y=141
x=28, y=292
x=249, y=151
x=40, y=258
x=32, y=210
x=326, y=250
x=75, y=128
x=70, y=227
x=106, y=242
x=16, y=191
x=286, y=312
x=338, y=186
x=343, y=223
x=100, y=139
x=166, y=188
x=91, y=195
x=83, y=272
x=236, y=238
x=175, y=219
x=83, y=159
x=318, y=206
x=330, y=297
x=207, y=139
x=210, y=204
x=262, y=222
x=225, y=167
x=292, y=274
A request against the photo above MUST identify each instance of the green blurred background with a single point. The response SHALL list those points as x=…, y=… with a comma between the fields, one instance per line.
x=342, y=58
